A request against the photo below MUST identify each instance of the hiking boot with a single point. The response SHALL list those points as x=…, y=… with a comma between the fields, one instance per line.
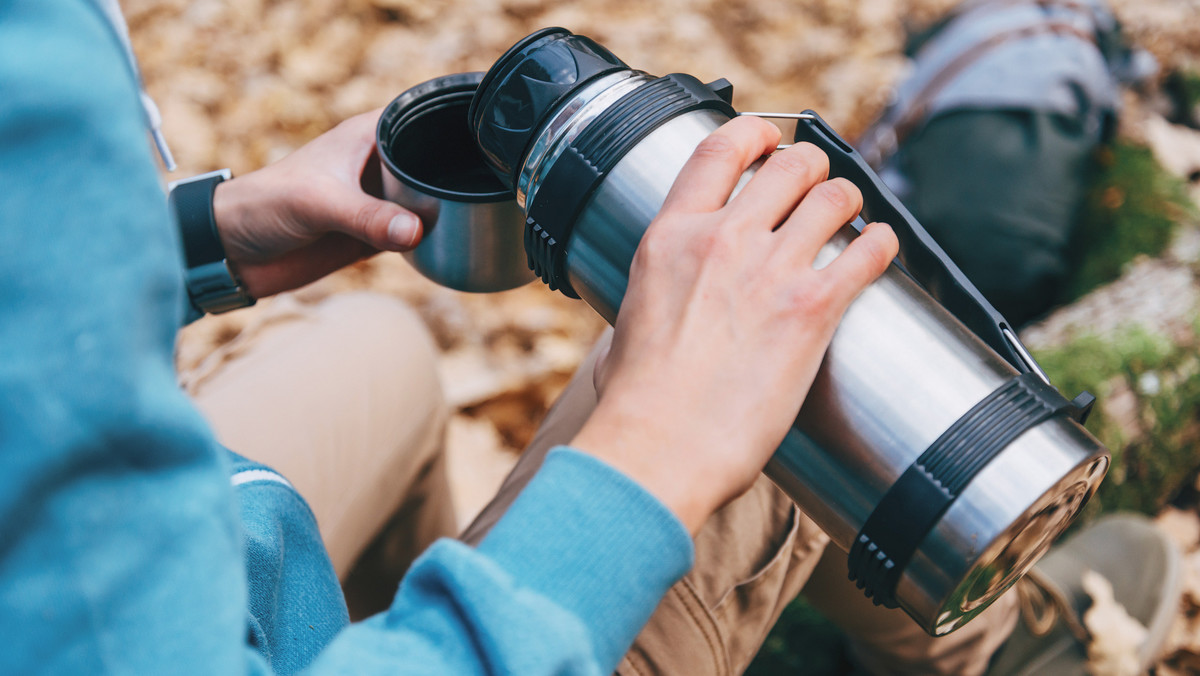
x=1144, y=568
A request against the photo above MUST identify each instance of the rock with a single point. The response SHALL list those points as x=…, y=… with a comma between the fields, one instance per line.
x=1177, y=147
x=1161, y=296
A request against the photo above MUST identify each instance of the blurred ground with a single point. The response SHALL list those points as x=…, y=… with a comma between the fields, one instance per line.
x=243, y=82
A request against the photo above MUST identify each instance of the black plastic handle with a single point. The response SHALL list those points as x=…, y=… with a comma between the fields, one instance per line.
x=919, y=254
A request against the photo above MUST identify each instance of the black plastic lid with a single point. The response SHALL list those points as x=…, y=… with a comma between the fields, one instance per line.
x=525, y=86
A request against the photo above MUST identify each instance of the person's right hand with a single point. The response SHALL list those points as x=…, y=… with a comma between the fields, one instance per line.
x=725, y=321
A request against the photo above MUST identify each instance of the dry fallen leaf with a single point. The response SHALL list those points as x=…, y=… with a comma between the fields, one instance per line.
x=1183, y=527
x=1116, y=637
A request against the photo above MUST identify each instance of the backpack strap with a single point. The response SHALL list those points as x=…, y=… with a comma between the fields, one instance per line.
x=908, y=114
x=919, y=108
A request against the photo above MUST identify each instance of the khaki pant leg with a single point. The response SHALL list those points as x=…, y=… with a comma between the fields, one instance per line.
x=752, y=558
x=886, y=641
x=343, y=399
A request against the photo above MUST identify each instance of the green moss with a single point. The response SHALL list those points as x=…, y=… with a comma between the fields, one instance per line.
x=1154, y=384
x=1132, y=207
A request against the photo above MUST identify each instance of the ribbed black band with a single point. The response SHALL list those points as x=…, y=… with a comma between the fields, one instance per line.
x=192, y=203
x=546, y=257
x=588, y=158
x=912, y=506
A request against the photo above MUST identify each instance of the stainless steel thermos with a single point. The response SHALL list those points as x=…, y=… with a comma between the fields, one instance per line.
x=930, y=448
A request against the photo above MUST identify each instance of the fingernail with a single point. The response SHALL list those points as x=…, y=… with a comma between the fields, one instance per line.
x=403, y=230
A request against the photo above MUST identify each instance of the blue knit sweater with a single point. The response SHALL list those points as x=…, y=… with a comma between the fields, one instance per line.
x=123, y=546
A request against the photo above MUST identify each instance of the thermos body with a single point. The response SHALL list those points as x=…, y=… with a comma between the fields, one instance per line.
x=611, y=225
x=942, y=468
x=899, y=371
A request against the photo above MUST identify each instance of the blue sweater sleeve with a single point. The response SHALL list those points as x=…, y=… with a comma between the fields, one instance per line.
x=120, y=545
x=562, y=584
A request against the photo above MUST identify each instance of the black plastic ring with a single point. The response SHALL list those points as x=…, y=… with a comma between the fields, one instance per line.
x=912, y=506
x=584, y=163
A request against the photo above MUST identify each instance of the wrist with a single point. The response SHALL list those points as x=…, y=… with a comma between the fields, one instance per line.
x=233, y=210
x=226, y=209
x=634, y=448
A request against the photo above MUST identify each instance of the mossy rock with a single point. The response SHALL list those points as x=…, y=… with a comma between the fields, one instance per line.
x=1132, y=208
x=1155, y=445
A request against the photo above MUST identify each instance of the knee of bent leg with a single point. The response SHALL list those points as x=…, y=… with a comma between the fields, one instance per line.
x=389, y=339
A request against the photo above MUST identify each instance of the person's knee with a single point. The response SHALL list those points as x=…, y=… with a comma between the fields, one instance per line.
x=391, y=336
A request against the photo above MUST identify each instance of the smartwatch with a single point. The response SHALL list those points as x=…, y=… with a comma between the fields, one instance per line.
x=211, y=283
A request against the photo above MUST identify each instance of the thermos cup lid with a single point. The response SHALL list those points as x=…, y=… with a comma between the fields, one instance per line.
x=525, y=86
x=444, y=150
x=472, y=223
x=446, y=163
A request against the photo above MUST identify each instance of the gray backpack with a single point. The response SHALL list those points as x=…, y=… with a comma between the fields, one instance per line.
x=989, y=142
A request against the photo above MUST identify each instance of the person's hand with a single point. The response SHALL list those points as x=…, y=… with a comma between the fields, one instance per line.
x=725, y=321
x=307, y=215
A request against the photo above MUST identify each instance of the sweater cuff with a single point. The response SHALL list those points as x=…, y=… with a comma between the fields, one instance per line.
x=594, y=541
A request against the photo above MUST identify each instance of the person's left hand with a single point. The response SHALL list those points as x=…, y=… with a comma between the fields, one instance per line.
x=309, y=214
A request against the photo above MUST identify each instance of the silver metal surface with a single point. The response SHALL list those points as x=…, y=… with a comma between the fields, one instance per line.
x=473, y=230
x=782, y=116
x=899, y=371
x=468, y=246
x=1003, y=523
x=611, y=224
x=1023, y=353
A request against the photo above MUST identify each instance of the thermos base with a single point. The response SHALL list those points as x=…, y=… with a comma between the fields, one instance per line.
x=995, y=563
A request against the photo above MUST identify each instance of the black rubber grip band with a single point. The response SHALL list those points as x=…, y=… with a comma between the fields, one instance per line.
x=586, y=161
x=912, y=506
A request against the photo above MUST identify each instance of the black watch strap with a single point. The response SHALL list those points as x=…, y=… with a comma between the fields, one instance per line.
x=211, y=284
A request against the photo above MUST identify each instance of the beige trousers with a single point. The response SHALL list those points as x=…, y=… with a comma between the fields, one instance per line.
x=342, y=398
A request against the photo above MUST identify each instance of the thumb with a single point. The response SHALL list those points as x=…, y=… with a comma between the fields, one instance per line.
x=600, y=367
x=384, y=225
